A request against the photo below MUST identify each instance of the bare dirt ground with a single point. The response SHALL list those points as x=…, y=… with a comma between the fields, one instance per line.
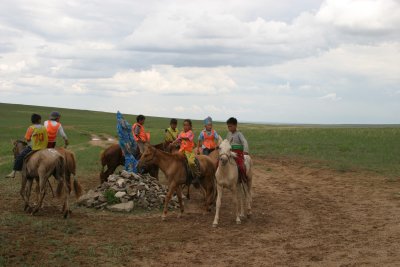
x=302, y=216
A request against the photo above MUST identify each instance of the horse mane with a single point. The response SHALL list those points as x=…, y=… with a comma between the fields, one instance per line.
x=19, y=141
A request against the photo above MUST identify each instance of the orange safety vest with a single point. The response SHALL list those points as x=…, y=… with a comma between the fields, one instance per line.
x=186, y=145
x=143, y=136
x=52, y=131
x=209, y=140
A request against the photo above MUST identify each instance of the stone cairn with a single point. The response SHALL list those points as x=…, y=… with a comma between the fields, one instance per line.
x=127, y=191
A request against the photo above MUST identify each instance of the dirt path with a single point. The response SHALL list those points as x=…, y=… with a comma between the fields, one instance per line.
x=302, y=217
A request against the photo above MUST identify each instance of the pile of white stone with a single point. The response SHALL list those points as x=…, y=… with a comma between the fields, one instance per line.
x=126, y=192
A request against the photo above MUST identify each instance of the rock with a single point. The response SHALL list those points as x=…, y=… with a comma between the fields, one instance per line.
x=120, y=194
x=122, y=207
x=89, y=196
x=112, y=178
x=121, y=182
x=144, y=190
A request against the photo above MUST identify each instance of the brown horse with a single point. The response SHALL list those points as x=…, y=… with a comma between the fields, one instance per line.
x=174, y=167
x=112, y=157
x=70, y=166
x=40, y=166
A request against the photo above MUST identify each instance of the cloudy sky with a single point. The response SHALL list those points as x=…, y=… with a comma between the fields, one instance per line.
x=290, y=61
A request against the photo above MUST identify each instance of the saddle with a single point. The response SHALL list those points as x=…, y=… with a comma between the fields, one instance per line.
x=26, y=158
x=189, y=174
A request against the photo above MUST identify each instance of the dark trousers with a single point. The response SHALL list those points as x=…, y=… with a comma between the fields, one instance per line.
x=207, y=151
x=51, y=144
x=19, y=160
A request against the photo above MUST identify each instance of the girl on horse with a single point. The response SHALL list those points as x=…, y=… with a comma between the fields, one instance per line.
x=185, y=138
x=207, y=138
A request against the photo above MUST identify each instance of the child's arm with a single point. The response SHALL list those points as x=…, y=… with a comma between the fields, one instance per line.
x=200, y=142
x=28, y=134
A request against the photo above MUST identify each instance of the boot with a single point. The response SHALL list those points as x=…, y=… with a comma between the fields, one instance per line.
x=11, y=174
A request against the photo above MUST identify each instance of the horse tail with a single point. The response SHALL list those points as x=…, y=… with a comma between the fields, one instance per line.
x=77, y=188
x=60, y=173
x=74, y=184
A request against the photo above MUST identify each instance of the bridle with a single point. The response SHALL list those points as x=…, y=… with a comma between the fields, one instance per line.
x=16, y=142
x=152, y=157
x=229, y=156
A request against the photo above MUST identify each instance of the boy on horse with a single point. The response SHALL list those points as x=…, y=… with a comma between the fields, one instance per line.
x=185, y=138
x=239, y=145
x=207, y=138
x=127, y=143
x=171, y=133
x=54, y=129
x=36, y=136
x=141, y=137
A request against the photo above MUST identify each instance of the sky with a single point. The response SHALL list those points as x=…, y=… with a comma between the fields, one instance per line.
x=287, y=61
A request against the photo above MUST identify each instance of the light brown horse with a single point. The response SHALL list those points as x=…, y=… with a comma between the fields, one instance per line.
x=112, y=157
x=174, y=167
x=40, y=166
x=70, y=166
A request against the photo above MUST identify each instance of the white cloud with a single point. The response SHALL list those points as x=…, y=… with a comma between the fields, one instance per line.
x=332, y=97
x=361, y=15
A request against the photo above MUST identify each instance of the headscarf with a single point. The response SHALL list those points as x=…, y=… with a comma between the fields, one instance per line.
x=207, y=120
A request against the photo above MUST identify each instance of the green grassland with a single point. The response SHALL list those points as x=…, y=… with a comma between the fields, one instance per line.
x=344, y=148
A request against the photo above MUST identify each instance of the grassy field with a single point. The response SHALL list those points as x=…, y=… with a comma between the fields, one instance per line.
x=343, y=147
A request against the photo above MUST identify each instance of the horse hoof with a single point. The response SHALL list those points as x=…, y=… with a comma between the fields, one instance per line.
x=215, y=225
x=163, y=218
x=238, y=222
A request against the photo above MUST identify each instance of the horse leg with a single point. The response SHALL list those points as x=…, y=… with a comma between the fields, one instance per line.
x=188, y=192
x=42, y=185
x=179, y=194
x=242, y=198
x=218, y=205
x=66, y=209
x=23, y=189
x=236, y=196
x=171, y=190
x=249, y=196
x=28, y=194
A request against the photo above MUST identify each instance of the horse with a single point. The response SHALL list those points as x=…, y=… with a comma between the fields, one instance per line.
x=70, y=166
x=227, y=176
x=174, y=167
x=112, y=157
x=40, y=165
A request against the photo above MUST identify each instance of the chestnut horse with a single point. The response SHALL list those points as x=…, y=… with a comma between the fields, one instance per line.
x=174, y=167
x=112, y=157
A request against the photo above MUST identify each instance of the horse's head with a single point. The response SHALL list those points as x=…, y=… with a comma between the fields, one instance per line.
x=225, y=152
x=18, y=146
x=148, y=156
